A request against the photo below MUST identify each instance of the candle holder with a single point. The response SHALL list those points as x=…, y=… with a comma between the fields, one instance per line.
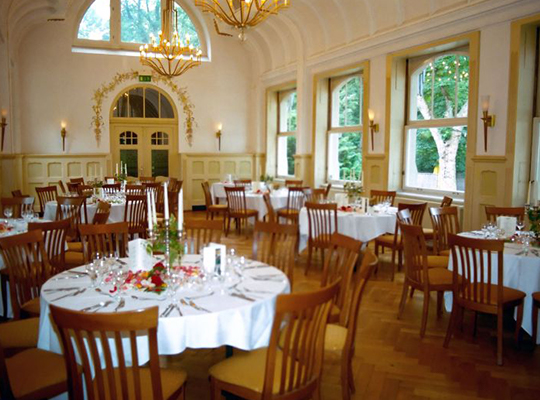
x=3, y=125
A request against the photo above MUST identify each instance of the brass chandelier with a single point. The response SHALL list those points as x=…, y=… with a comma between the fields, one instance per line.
x=170, y=56
x=242, y=14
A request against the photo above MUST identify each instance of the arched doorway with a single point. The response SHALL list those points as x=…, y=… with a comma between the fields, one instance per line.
x=144, y=132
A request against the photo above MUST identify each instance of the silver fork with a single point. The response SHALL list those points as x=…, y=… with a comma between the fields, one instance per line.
x=200, y=296
x=167, y=311
x=70, y=294
x=98, y=306
x=121, y=304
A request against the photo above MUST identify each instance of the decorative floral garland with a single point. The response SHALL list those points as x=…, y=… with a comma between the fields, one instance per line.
x=101, y=93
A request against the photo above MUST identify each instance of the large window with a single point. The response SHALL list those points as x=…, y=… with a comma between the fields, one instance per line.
x=138, y=19
x=286, y=137
x=436, y=130
x=345, y=128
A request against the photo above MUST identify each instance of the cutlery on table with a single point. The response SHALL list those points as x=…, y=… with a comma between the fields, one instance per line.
x=175, y=307
x=104, y=293
x=121, y=304
x=62, y=289
x=145, y=298
x=242, y=296
x=257, y=291
x=98, y=306
x=78, y=292
x=167, y=311
x=193, y=305
x=200, y=296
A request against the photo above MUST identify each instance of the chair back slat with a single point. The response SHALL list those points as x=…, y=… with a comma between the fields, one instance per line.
x=380, y=196
x=147, y=179
x=54, y=239
x=207, y=195
x=46, y=194
x=85, y=190
x=298, y=332
x=18, y=205
x=135, y=214
x=73, y=187
x=293, y=183
x=28, y=265
x=72, y=208
x=274, y=244
x=136, y=190
x=445, y=221
x=493, y=212
x=270, y=211
x=104, y=239
x=103, y=210
x=84, y=334
x=295, y=198
x=322, y=221
x=199, y=233
x=246, y=183
x=236, y=199
x=111, y=188
x=415, y=254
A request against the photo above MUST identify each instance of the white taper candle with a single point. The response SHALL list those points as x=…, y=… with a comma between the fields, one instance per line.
x=149, y=210
x=180, y=209
x=154, y=214
x=166, y=201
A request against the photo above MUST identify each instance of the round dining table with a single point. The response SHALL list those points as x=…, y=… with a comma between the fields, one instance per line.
x=237, y=312
x=116, y=213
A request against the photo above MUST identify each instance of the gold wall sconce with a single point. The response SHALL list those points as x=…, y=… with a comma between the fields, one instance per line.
x=218, y=135
x=373, y=127
x=489, y=120
x=3, y=124
x=63, y=133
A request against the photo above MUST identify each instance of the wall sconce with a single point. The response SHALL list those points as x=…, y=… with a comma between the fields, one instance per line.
x=373, y=127
x=3, y=124
x=63, y=133
x=218, y=135
x=489, y=120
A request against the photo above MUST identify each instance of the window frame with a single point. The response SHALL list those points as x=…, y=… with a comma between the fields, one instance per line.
x=334, y=84
x=144, y=118
x=415, y=124
x=282, y=95
x=115, y=44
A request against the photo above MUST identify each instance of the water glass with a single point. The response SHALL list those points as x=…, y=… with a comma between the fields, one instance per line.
x=8, y=212
x=174, y=279
x=92, y=271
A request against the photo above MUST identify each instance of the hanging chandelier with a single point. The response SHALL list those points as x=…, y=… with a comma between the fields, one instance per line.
x=170, y=56
x=242, y=14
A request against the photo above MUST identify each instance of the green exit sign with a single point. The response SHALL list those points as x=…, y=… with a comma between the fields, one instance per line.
x=145, y=78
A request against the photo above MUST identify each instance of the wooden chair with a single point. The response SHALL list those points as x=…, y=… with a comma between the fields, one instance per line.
x=73, y=187
x=85, y=190
x=54, y=239
x=493, y=212
x=293, y=183
x=105, y=238
x=114, y=333
x=28, y=267
x=327, y=191
x=445, y=220
x=103, y=211
x=175, y=185
x=135, y=190
x=535, y=309
x=270, y=212
x=295, y=201
x=110, y=189
x=147, y=179
x=27, y=372
x=46, y=194
x=395, y=241
x=236, y=201
x=340, y=336
x=246, y=183
x=419, y=276
x=274, y=244
x=322, y=220
x=446, y=201
x=18, y=193
x=62, y=187
x=474, y=271
x=314, y=195
x=380, y=196
x=74, y=209
x=77, y=180
x=199, y=233
x=212, y=208
x=18, y=205
x=291, y=366
x=135, y=214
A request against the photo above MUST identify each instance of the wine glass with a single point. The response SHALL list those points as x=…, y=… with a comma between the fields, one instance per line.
x=173, y=279
x=92, y=271
x=8, y=212
x=520, y=225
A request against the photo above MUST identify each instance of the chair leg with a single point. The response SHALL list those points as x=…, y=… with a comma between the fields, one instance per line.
x=451, y=325
x=346, y=394
x=215, y=391
x=308, y=265
x=439, y=304
x=535, y=310
x=412, y=292
x=228, y=225
x=403, y=299
x=3, y=287
x=500, y=337
x=424, y=314
x=519, y=321
x=393, y=263
x=475, y=322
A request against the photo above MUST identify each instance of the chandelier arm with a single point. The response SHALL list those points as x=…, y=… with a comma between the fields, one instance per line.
x=233, y=19
x=218, y=11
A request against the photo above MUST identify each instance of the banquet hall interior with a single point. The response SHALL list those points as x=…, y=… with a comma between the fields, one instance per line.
x=389, y=149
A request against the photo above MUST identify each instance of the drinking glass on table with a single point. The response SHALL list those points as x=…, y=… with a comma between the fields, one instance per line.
x=173, y=279
x=92, y=271
x=520, y=225
x=8, y=212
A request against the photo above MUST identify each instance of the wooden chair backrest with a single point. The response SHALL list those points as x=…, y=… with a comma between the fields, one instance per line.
x=173, y=202
x=147, y=179
x=73, y=187
x=493, y=212
x=295, y=198
x=28, y=265
x=90, y=339
x=175, y=184
x=207, y=195
x=102, y=214
x=293, y=183
x=54, y=240
x=236, y=199
x=415, y=254
x=17, y=193
x=104, y=239
x=380, y=196
x=77, y=180
x=322, y=221
x=19, y=205
x=135, y=214
x=270, y=212
x=314, y=195
x=242, y=182
x=46, y=194
x=199, y=233
x=274, y=244
x=62, y=186
x=298, y=332
x=327, y=191
x=111, y=188
x=445, y=220
x=476, y=264
x=135, y=190
x=447, y=201
x=339, y=263
x=157, y=190
x=85, y=190
x=413, y=213
x=72, y=208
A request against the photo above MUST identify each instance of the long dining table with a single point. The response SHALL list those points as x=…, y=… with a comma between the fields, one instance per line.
x=116, y=212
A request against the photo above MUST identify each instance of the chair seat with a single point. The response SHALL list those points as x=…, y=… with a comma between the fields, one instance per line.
x=19, y=334
x=288, y=213
x=171, y=382
x=445, y=253
x=247, y=213
x=32, y=307
x=510, y=295
x=218, y=208
x=440, y=279
x=335, y=337
x=247, y=370
x=387, y=240
x=52, y=373
x=437, y=261
x=75, y=246
x=74, y=258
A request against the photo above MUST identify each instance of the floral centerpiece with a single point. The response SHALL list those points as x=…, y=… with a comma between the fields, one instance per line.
x=533, y=213
x=353, y=190
x=122, y=177
x=159, y=243
x=267, y=179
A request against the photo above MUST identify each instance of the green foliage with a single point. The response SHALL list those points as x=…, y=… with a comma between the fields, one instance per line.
x=93, y=26
x=533, y=213
x=176, y=245
x=350, y=155
x=350, y=96
x=139, y=18
x=266, y=178
x=291, y=151
x=185, y=26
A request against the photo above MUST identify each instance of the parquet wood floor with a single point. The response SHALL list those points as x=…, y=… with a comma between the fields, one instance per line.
x=391, y=360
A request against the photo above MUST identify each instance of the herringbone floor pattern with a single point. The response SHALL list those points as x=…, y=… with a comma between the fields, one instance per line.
x=391, y=360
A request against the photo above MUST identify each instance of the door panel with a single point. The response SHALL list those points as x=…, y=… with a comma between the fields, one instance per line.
x=160, y=162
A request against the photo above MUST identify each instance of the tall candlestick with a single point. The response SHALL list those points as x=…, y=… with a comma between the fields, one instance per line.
x=149, y=211
x=154, y=214
x=528, y=199
x=116, y=169
x=181, y=209
x=166, y=201
x=125, y=169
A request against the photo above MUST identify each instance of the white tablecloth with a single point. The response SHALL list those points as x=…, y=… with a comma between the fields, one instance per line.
x=116, y=214
x=363, y=227
x=521, y=272
x=232, y=321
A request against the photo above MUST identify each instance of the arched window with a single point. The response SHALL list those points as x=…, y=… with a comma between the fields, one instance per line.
x=160, y=139
x=286, y=141
x=143, y=102
x=138, y=19
x=128, y=137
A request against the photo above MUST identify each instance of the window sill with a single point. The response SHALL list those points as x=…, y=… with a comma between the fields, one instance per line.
x=434, y=198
